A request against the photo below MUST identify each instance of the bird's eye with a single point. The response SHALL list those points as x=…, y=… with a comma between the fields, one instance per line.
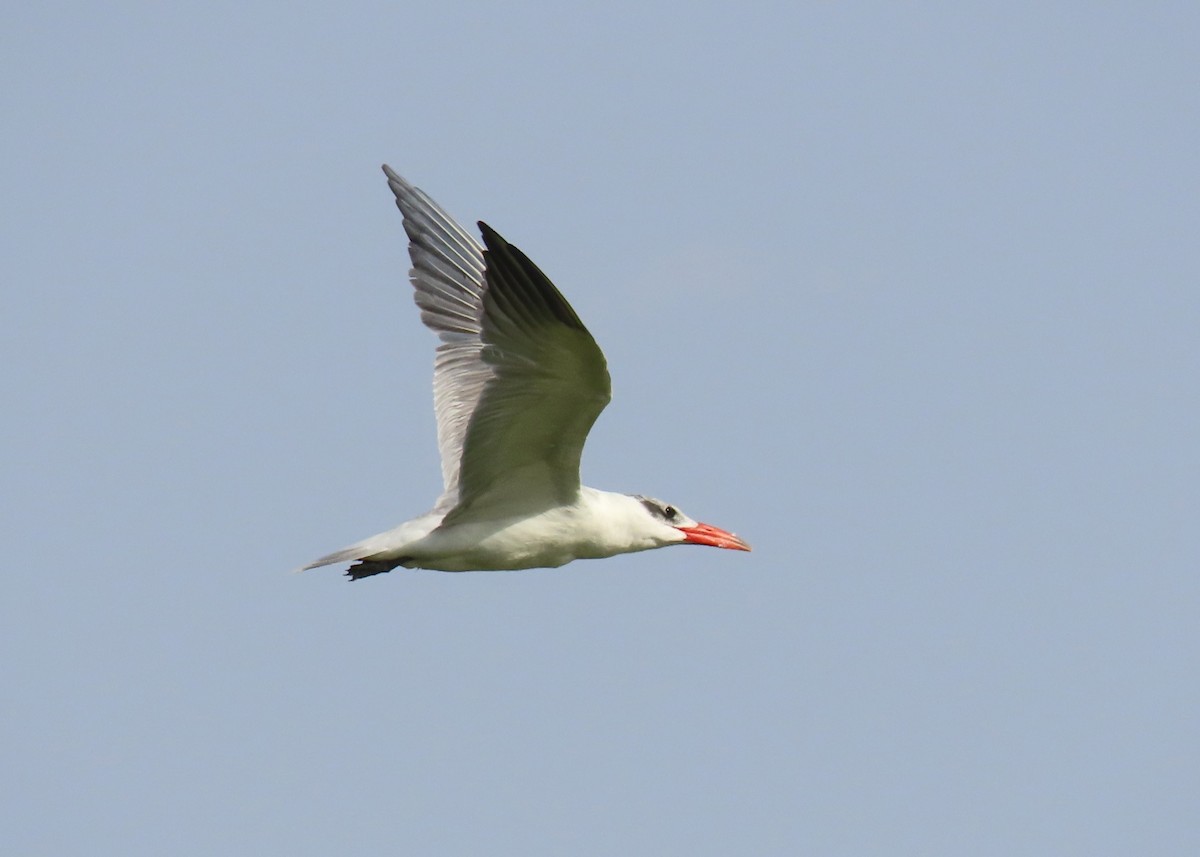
x=669, y=513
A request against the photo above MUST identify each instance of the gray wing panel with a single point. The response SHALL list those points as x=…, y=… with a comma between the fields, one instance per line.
x=448, y=286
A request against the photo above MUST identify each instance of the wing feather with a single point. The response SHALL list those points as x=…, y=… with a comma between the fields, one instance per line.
x=518, y=380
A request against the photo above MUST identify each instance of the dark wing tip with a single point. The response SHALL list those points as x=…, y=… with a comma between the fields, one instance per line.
x=508, y=265
x=393, y=177
x=490, y=235
x=366, y=567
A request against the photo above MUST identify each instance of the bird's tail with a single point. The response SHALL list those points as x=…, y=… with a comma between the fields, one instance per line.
x=353, y=552
x=381, y=552
x=366, y=564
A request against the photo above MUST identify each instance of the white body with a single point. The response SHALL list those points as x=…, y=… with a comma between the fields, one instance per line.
x=598, y=524
x=518, y=382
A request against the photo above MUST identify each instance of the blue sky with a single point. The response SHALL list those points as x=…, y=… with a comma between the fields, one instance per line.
x=905, y=295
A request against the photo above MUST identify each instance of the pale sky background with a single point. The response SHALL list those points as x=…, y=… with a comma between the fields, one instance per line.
x=908, y=295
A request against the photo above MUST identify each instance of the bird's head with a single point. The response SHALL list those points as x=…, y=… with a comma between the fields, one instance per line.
x=673, y=526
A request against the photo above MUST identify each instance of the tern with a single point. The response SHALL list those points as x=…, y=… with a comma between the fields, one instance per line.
x=518, y=382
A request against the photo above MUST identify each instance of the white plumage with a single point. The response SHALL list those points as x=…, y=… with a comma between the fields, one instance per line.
x=518, y=382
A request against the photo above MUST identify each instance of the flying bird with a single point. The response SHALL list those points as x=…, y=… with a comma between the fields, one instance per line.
x=517, y=384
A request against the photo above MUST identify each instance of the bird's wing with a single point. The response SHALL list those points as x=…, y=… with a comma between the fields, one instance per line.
x=518, y=380
x=448, y=282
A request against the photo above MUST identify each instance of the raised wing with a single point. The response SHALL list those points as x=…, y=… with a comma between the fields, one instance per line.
x=550, y=382
x=448, y=282
x=518, y=380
